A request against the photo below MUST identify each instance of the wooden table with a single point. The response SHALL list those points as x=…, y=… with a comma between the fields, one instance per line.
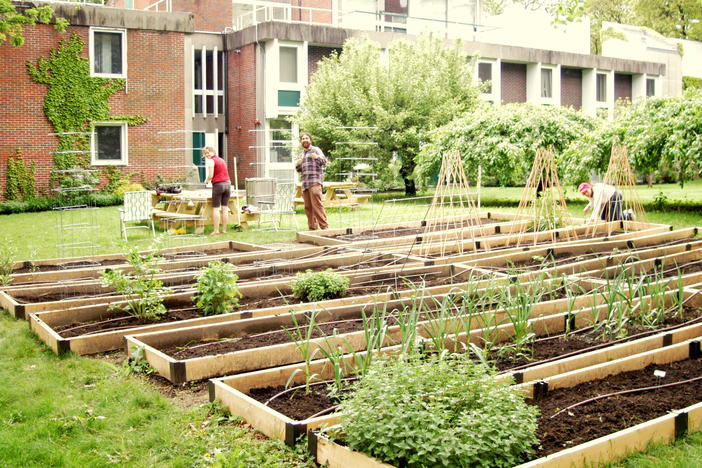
x=194, y=207
x=335, y=194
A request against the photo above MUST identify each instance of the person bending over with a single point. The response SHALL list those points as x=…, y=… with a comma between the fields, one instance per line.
x=605, y=201
x=218, y=175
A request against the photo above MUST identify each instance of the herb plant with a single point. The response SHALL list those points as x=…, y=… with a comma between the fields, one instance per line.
x=217, y=291
x=145, y=293
x=317, y=286
x=438, y=411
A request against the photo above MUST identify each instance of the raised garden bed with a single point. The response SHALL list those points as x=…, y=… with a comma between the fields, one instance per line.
x=175, y=265
x=21, y=301
x=576, y=258
x=601, y=431
x=246, y=394
x=44, y=323
x=200, y=352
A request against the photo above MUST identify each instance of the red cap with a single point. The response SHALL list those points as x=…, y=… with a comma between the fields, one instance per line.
x=584, y=187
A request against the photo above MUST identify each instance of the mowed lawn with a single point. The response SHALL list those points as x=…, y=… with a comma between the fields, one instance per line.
x=83, y=411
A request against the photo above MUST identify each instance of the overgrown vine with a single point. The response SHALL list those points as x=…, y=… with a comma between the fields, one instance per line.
x=73, y=100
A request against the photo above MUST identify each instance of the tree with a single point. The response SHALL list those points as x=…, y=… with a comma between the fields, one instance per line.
x=13, y=21
x=504, y=140
x=423, y=86
x=672, y=18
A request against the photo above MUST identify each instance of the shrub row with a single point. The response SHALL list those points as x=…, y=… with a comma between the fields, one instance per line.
x=49, y=203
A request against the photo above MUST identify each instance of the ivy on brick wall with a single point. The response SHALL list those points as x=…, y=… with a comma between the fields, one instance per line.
x=74, y=99
x=19, y=182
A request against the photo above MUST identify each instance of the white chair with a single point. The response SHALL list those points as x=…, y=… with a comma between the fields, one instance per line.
x=283, y=204
x=137, y=207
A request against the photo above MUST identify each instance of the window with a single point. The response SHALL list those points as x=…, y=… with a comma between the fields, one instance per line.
x=281, y=141
x=109, y=144
x=485, y=76
x=601, y=85
x=208, y=81
x=546, y=83
x=650, y=87
x=108, y=53
x=288, y=64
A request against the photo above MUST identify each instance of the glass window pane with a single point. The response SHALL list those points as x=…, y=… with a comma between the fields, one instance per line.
x=220, y=104
x=485, y=74
x=220, y=70
x=198, y=104
x=288, y=64
x=209, y=70
x=197, y=70
x=281, y=141
x=108, y=143
x=650, y=87
x=210, y=104
x=107, y=52
x=601, y=88
x=546, y=85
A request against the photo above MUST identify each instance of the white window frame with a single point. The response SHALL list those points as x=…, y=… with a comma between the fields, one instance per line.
x=124, y=140
x=655, y=86
x=301, y=75
x=216, y=92
x=91, y=52
x=552, y=71
x=606, y=85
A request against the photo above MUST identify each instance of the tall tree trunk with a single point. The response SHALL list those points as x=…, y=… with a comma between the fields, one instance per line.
x=406, y=172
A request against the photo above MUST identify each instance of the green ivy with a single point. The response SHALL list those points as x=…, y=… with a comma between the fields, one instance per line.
x=74, y=99
x=691, y=82
x=19, y=184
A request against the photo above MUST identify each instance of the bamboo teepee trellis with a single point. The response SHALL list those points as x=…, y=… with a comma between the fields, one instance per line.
x=543, y=201
x=621, y=175
x=452, y=207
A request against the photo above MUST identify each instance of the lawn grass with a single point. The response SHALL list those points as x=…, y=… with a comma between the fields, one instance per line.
x=80, y=411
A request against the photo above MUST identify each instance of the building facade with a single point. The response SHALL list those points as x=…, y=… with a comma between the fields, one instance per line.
x=229, y=74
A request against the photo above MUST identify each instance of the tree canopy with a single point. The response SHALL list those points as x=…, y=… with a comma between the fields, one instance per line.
x=397, y=98
x=13, y=21
x=504, y=140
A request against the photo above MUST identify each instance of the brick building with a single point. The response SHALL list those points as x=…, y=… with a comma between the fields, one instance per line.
x=228, y=73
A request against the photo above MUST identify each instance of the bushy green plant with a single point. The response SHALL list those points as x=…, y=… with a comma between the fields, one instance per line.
x=7, y=260
x=440, y=411
x=317, y=286
x=19, y=179
x=217, y=291
x=128, y=187
x=503, y=140
x=144, y=293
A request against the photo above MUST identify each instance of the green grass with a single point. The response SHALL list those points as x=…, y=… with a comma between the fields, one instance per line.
x=78, y=411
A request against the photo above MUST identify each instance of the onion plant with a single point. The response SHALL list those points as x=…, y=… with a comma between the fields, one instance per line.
x=301, y=335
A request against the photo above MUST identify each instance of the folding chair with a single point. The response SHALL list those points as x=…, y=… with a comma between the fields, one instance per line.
x=283, y=204
x=137, y=207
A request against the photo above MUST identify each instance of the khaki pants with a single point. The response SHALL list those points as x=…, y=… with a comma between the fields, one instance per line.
x=314, y=209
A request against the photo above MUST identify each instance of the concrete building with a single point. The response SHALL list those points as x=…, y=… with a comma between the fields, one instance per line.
x=229, y=73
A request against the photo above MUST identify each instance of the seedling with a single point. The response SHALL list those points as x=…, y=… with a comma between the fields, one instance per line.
x=217, y=291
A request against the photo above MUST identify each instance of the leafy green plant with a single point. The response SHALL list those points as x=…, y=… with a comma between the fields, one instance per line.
x=136, y=363
x=217, y=291
x=7, y=262
x=301, y=335
x=317, y=286
x=19, y=179
x=440, y=410
x=144, y=293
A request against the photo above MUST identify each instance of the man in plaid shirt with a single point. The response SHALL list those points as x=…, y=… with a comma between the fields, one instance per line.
x=310, y=165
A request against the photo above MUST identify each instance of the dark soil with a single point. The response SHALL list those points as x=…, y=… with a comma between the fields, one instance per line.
x=119, y=319
x=188, y=254
x=67, y=266
x=609, y=415
x=545, y=348
x=297, y=405
x=214, y=346
x=410, y=231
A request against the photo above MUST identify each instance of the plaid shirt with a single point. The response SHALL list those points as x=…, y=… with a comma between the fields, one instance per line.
x=311, y=169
